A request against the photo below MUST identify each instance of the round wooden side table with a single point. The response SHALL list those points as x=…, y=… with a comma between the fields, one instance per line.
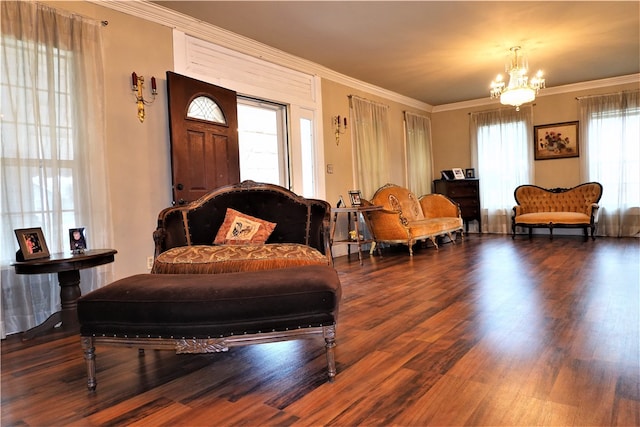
x=68, y=267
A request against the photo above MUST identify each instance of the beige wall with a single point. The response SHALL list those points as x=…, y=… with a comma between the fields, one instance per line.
x=450, y=133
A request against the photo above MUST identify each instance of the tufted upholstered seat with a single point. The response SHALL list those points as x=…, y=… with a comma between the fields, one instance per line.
x=206, y=313
x=204, y=259
x=575, y=207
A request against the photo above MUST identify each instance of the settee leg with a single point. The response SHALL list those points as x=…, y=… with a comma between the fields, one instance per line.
x=90, y=359
x=329, y=333
x=435, y=242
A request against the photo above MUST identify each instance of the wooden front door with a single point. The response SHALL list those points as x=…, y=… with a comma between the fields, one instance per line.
x=203, y=121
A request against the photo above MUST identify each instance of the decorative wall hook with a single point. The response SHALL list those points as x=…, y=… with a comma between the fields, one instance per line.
x=137, y=86
x=339, y=127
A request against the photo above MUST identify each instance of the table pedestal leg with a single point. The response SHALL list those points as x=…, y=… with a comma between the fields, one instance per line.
x=69, y=282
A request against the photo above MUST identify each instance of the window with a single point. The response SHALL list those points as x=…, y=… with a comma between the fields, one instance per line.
x=371, y=137
x=419, y=154
x=611, y=156
x=262, y=141
x=40, y=153
x=500, y=145
x=205, y=108
x=52, y=168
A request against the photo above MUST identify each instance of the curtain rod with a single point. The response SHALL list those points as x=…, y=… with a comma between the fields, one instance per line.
x=405, y=112
x=499, y=109
x=605, y=94
x=367, y=100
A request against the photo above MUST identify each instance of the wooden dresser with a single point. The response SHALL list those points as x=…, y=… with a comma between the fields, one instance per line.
x=465, y=192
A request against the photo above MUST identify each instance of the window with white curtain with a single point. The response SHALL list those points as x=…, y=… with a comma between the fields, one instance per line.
x=501, y=153
x=419, y=153
x=610, y=128
x=371, y=138
x=52, y=169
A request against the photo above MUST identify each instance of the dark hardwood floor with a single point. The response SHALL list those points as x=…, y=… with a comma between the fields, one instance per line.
x=490, y=332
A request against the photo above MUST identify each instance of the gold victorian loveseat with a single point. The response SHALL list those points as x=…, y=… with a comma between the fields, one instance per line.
x=407, y=219
x=575, y=207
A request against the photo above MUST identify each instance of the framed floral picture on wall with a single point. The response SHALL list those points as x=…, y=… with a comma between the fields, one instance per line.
x=556, y=141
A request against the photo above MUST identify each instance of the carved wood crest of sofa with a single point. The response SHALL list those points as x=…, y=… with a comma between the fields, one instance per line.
x=539, y=207
x=248, y=226
x=407, y=219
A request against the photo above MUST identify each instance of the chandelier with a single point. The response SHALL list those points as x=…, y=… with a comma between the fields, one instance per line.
x=520, y=89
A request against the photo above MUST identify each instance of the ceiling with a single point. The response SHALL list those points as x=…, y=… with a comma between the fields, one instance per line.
x=439, y=52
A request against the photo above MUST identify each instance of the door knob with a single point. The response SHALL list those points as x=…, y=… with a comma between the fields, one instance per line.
x=180, y=187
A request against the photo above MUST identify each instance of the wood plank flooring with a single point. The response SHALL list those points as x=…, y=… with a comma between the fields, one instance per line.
x=490, y=331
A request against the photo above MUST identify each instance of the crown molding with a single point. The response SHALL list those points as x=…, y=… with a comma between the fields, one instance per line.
x=575, y=87
x=205, y=31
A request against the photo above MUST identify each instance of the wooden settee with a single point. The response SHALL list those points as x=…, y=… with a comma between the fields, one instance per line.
x=407, y=219
x=185, y=237
x=539, y=207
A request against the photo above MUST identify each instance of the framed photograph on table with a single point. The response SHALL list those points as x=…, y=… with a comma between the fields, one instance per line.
x=356, y=197
x=32, y=243
x=556, y=141
x=470, y=173
x=77, y=241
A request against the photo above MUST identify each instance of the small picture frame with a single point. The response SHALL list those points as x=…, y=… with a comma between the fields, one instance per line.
x=458, y=173
x=447, y=174
x=77, y=240
x=340, y=203
x=356, y=197
x=32, y=243
x=470, y=173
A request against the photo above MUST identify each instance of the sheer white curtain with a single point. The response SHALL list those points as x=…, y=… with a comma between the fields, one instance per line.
x=501, y=151
x=371, y=136
x=419, y=153
x=610, y=130
x=52, y=167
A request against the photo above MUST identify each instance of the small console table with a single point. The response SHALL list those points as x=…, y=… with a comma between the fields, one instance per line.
x=68, y=267
x=353, y=227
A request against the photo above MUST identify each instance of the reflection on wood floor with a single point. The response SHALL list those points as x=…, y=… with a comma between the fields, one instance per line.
x=490, y=331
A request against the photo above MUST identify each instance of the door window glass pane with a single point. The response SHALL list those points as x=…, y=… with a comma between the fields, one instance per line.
x=204, y=108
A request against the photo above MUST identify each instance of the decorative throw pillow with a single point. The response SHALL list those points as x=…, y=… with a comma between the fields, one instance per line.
x=241, y=229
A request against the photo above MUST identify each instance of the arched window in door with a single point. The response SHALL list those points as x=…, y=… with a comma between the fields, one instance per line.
x=204, y=108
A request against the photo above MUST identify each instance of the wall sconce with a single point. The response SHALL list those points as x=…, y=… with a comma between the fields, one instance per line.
x=339, y=127
x=137, y=86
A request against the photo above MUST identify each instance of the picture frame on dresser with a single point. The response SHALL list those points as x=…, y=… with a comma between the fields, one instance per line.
x=458, y=173
x=470, y=173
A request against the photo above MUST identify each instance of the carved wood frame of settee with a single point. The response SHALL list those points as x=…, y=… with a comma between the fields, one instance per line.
x=575, y=207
